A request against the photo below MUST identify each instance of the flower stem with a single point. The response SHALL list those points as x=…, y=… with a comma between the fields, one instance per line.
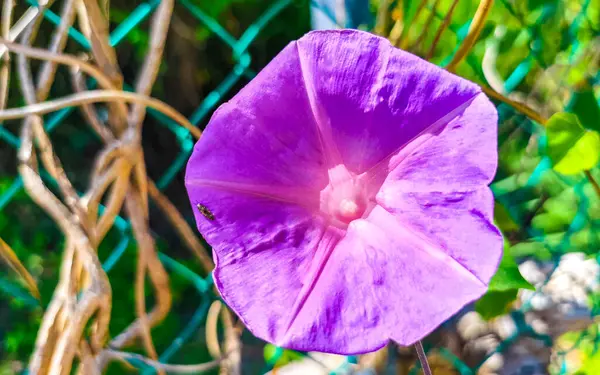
x=524, y=109
x=422, y=358
x=476, y=26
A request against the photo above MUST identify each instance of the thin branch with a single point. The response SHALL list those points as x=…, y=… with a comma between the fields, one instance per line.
x=524, y=109
x=441, y=29
x=95, y=96
x=425, y=27
x=104, y=53
x=175, y=369
x=19, y=26
x=398, y=28
x=101, y=178
x=5, y=22
x=404, y=37
x=232, y=345
x=106, y=58
x=59, y=40
x=140, y=303
x=212, y=337
x=147, y=258
x=381, y=23
x=158, y=35
x=115, y=201
x=104, y=159
x=47, y=332
x=133, y=330
x=476, y=27
x=10, y=258
x=140, y=177
x=422, y=358
x=54, y=166
x=83, y=20
x=159, y=28
x=87, y=364
x=64, y=351
x=593, y=181
x=49, y=160
x=88, y=110
x=23, y=70
x=42, y=54
x=375, y=361
x=181, y=226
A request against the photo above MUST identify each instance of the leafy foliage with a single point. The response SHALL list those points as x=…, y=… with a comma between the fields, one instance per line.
x=571, y=147
x=503, y=288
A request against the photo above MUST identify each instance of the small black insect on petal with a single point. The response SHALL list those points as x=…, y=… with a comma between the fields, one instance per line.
x=205, y=212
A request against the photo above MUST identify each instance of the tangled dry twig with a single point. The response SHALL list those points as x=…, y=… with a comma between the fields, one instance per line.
x=75, y=324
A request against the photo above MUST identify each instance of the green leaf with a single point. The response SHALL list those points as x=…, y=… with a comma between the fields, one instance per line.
x=549, y=222
x=585, y=106
x=571, y=148
x=494, y=304
x=534, y=4
x=278, y=357
x=503, y=219
x=503, y=289
x=508, y=276
x=531, y=249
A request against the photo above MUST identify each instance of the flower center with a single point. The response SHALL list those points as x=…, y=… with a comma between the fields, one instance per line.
x=344, y=199
x=349, y=209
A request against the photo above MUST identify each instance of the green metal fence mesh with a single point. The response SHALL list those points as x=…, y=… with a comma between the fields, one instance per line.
x=516, y=194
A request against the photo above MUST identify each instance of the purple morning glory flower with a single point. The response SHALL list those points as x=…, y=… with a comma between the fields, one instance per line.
x=344, y=193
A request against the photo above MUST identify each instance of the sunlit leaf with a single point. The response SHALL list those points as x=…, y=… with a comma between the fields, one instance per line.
x=278, y=357
x=508, y=276
x=10, y=258
x=571, y=147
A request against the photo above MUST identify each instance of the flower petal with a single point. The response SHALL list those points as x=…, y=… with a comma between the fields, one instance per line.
x=265, y=135
x=457, y=156
x=374, y=98
x=341, y=314
x=438, y=188
x=421, y=285
x=381, y=282
x=263, y=250
x=423, y=139
x=459, y=224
